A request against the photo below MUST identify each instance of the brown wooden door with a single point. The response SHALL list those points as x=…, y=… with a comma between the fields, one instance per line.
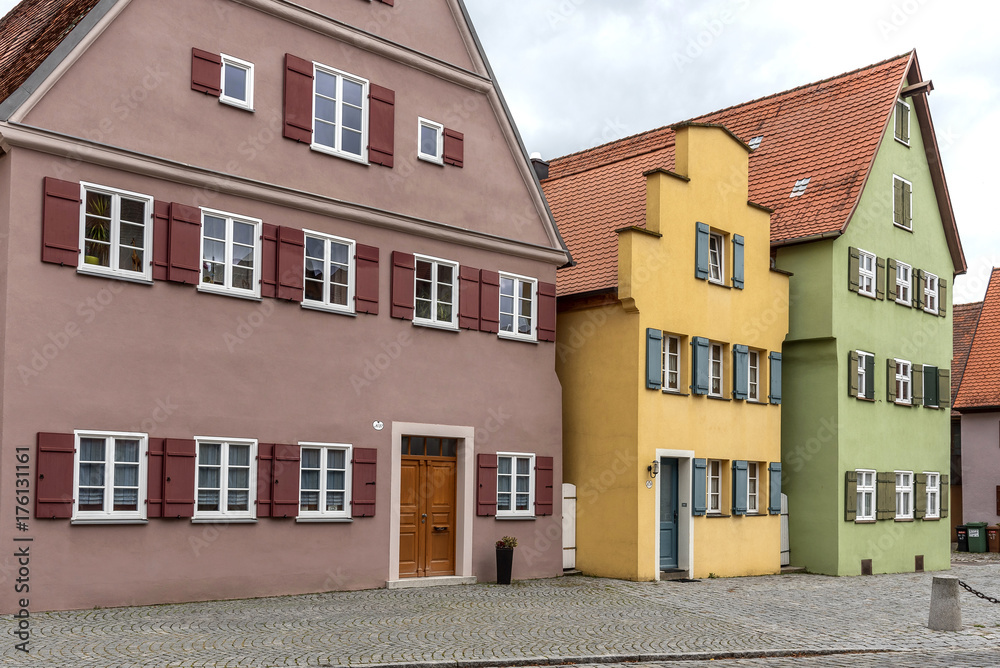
x=427, y=517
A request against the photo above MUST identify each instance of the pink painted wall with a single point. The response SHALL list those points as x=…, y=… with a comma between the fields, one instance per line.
x=980, y=466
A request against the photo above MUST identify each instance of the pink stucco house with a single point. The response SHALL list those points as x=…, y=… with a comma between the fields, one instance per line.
x=278, y=303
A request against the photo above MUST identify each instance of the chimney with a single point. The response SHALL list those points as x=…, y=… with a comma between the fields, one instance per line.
x=541, y=167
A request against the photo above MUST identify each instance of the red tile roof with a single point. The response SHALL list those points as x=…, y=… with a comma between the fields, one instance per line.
x=980, y=385
x=828, y=131
x=964, y=318
x=30, y=32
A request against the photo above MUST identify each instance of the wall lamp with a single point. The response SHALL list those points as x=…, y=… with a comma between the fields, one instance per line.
x=653, y=469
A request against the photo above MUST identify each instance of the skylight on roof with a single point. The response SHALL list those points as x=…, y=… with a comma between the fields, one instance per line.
x=755, y=142
x=800, y=187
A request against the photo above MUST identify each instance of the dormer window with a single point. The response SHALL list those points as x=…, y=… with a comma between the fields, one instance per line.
x=800, y=187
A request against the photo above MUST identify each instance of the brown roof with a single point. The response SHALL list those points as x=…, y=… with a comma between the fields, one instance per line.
x=964, y=317
x=980, y=385
x=828, y=131
x=30, y=32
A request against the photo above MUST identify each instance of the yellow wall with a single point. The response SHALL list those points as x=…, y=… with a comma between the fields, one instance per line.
x=610, y=417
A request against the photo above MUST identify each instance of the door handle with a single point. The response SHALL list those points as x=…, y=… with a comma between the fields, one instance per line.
x=440, y=528
x=423, y=518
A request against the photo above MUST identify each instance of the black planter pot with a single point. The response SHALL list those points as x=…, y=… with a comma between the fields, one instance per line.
x=505, y=558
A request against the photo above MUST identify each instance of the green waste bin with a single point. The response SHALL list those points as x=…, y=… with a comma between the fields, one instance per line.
x=977, y=536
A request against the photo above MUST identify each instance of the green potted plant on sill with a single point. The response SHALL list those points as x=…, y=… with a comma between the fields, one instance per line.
x=505, y=558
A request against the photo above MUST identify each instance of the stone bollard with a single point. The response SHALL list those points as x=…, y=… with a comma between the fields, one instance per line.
x=946, y=611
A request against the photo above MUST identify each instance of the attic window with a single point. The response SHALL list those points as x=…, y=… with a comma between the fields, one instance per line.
x=800, y=187
x=755, y=142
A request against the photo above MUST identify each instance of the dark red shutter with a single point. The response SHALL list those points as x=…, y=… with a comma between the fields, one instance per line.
x=486, y=475
x=489, y=301
x=381, y=125
x=403, y=270
x=454, y=148
x=161, y=240
x=543, y=485
x=468, y=297
x=61, y=222
x=285, y=491
x=54, y=468
x=178, y=477
x=269, y=261
x=546, y=311
x=265, y=477
x=298, y=99
x=206, y=72
x=363, y=482
x=366, y=277
x=291, y=263
x=154, y=479
x=184, y=244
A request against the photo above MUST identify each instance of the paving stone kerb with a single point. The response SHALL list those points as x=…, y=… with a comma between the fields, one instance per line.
x=542, y=621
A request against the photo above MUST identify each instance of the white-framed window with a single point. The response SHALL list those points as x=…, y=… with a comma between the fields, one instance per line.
x=110, y=475
x=715, y=370
x=901, y=129
x=753, y=376
x=866, y=361
x=904, y=279
x=237, y=82
x=930, y=293
x=902, y=202
x=714, y=490
x=716, y=257
x=866, y=495
x=515, y=484
x=866, y=273
x=518, y=306
x=227, y=478
x=324, y=480
x=753, y=487
x=904, y=380
x=340, y=113
x=671, y=366
x=933, y=491
x=329, y=272
x=116, y=233
x=436, y=292
x=430, y=141
x=904, y=495
x=230, y=253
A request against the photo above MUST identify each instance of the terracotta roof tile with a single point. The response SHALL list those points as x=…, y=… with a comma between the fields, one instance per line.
x=964, y=318
x=980, y=384
x=828, y=131
x=30, y=32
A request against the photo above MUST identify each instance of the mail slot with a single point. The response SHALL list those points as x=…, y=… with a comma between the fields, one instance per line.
x=440, y=528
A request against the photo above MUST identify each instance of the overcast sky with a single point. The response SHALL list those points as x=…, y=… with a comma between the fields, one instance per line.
x=578, y=73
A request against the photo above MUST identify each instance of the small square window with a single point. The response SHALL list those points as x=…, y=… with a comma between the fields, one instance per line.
x=515, y=485
x=518, y=307
x=904, y=279
x=110, y=476
x=329, y=273
x=436, y=292
x=230, y=258
x=324, y=480
x=430, y=141
x=237, y=82
x=866, y=495
x=116, y=233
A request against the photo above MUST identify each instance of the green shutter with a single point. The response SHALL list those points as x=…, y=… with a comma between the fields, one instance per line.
x=740, y=483
x=897, y=201
x=774, y=488
x=919, y=495
x=944, y=388
x=905, y=124
x=907, y=199
x=737, y=261
x=918, y=288
x=853, y=269
x=930, y=386
x=870, y=377
x=852, y=373
x=890, y=283
x=942, y=297
x=851, y=496
x=699, y=365
x=775, y=396
x=654, y=358
x=890, y=380
x=916, y=384
x=886, y=492
x=880, y=278
x=898, y=125
x=943, y=497
x=701, y=251
x=698, y=487
x=741, y=371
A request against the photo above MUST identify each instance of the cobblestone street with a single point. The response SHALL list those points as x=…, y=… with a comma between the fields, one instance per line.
x=563, y=620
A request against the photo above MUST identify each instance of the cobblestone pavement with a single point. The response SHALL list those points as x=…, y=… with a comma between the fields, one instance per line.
x=561, y=620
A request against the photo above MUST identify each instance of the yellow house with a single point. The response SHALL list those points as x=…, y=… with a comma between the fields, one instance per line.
x=669, y=352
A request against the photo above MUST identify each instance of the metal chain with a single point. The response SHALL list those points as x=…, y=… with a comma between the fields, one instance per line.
x=978, y=593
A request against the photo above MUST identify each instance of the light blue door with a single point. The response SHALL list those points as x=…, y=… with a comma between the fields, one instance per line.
x=668, y=513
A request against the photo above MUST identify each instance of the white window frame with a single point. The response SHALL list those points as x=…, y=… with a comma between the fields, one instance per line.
x=713, y=499
x=513, y=512
x=518, y=280
x=111, y=515
x=114, y=235
x=227, y=287
x=247, y=67
x=753, y=488
x=904, y=381
x=867, y=276
x=753, y=375
x=895, y=178
x=325, y=304
x=716, y=268
x=866, y=490
x=438, y=156
x=906, y=105
x=224, y=514
x=716, y=363
x=904, y=495
x=904, y=284
x=322, y=513
x=434, y=321
x=931, y=286
x=933, y=492
x=862, y=374
x=337, y=149
x=671, y=364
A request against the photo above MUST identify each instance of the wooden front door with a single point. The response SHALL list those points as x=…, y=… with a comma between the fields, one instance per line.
x=427, y=507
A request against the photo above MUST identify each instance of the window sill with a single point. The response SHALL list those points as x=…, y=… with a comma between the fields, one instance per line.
x=224, y=520
x=114, y=277
x=716, y=515
x=931, y=519
x=712, y=396
x=755, y=402
x=327, y=309
x=871, y=296
x=324, y=520
x=930, y=312
x=435, y=325
x=904, y=404
x=906, y=304
x=515, y=337
x=430, y=159
x=720, y=284
x=902, y=519
x=871, y=401
x=866, y=521
x=906, y=144
x=109, y=520
x=506, y=518
x=233, y=102
x=337, y=154
x=225, y=292
x=901, y=227
x=676, y=393
x=933, y=408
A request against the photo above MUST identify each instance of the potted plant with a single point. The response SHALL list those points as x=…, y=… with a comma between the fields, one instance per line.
x=505, y=558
